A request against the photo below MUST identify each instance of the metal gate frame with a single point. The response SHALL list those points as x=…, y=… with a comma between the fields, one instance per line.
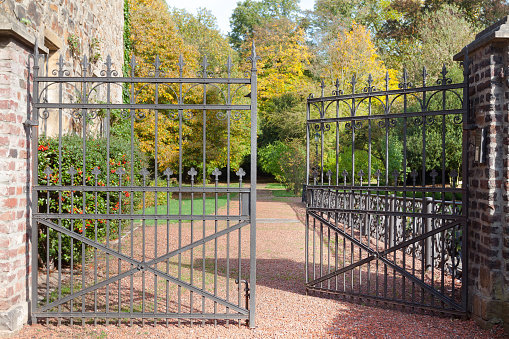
x=236, y=220
x=381, y=220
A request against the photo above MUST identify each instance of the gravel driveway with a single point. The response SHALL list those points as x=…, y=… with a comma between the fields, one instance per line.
x=283, y=308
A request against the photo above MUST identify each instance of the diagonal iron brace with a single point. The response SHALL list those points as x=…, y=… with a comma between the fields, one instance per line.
x=382, y=257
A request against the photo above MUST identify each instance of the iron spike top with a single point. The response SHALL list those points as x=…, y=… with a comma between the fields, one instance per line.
x=133, y=64
x=434, y=174
x=216, y=173
x=344, y=173
x=322, y=86
x=337, y=85
x=315, y=173
x=387, y=78
x=72, y=171
x=240, y=173
x=378, y=173
x=370, y=80
x=108, y=64
x=144, y=172
x=229, y=65
x=424, y=76
x=453, y=174
x=120, y=171
x=329, y=175
x=84, y=64
x=414, y=175
x=192, y=172
x=444, y=80
x=60, y=65
x=253, y=57
x=181, y=65
x=444, y=71
x=157, y=65
x=361, y=174
x=168, y=172
x=353, y=82
x=48, y=171
x=96, y=171
x=395, y=174
x=204, y=66
x=405, y=83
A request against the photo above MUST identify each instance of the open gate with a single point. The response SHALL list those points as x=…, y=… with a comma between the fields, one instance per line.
x=117, y=242
x=386, y=206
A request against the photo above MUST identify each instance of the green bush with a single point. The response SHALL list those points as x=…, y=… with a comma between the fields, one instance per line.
x=73, y=201
x=286, y=161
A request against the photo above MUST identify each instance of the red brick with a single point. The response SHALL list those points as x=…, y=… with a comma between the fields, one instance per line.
x=10, y=202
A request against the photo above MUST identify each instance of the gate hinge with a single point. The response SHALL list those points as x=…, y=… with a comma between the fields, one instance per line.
x=30, y=123
x=470, y=127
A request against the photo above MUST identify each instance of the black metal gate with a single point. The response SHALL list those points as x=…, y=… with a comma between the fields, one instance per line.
x=117, y=242
x=386, y=206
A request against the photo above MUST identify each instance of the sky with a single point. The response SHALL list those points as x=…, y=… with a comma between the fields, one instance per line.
x=222, y=9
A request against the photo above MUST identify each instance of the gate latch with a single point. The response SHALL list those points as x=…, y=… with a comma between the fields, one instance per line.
x=246, y=295
x=30, y=123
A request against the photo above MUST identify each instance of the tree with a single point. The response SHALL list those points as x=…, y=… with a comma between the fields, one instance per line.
x=443, y=33
x=250, y=14
x=284, y=55
x=201, y=33
x=156, y=33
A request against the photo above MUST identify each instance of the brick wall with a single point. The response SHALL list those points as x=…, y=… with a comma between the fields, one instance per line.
x=51, y=22
x=488, y=236
x=14, y=254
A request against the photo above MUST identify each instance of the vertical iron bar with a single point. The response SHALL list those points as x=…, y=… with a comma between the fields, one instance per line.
x=252, y=239
x=465, y=184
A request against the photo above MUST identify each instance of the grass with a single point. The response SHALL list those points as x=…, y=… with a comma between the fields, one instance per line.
x=276, y=186
x=197, y=203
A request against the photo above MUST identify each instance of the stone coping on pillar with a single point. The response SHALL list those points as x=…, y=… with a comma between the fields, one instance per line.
x=497, y=31
x=17, y=30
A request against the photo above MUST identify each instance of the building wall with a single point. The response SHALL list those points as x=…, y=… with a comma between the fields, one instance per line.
x=73, y=28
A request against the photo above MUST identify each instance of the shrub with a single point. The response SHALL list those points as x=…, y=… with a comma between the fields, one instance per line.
x=74, y=202
x=286, y=161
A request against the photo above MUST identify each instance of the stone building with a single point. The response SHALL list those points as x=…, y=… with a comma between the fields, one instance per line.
x=67, y=28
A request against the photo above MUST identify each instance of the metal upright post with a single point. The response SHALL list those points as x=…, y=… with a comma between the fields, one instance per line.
x=254, y=109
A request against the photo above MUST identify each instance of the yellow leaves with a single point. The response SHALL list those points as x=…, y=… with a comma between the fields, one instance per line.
x=281, y=44
x=354, y=53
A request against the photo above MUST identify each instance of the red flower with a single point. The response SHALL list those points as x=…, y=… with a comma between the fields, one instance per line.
x=43, y=148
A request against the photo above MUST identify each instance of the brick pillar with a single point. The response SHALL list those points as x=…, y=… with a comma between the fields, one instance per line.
x=488, y=238
x=15, y=47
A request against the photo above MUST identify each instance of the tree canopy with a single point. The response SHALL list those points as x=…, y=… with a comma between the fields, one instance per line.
x=337, y=40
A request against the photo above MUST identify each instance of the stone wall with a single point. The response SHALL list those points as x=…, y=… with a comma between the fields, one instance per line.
x=50, y=23
x=488, y=181
x=73, y=28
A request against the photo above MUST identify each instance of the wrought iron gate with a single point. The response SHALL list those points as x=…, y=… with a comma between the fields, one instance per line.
x=117, y=242
x=386, y=208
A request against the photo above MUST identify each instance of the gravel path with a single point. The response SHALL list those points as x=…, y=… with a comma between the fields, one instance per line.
x=283, y=309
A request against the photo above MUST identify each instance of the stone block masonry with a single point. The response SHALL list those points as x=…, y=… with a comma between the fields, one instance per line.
x=73, y=28
x=488, y=237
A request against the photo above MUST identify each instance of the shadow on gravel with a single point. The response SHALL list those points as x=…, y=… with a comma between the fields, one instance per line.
x=282, y=274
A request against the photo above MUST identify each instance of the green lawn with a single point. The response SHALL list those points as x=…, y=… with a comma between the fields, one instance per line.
x=210, y=207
